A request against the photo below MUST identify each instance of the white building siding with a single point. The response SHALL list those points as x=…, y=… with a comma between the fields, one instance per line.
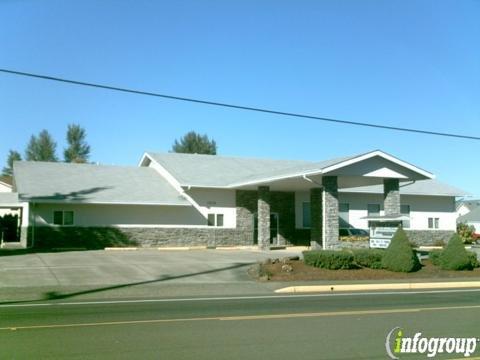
x=206, y=201
x=424, y=207
x=212, y=201
x=421, y=208
x=121, y=215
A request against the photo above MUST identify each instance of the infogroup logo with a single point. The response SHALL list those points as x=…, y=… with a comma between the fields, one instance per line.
x=396, y=343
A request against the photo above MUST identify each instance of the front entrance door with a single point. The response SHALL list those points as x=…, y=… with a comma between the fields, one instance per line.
x=274, y=229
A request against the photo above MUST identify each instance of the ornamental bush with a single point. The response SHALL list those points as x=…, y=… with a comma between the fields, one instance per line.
x=434, y=257
x=466, y=233
x=329, y=259
x=456, y=257
x=370, y=258
x=399, y=255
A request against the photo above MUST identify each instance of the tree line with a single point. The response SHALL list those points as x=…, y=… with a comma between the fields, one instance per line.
x=42, y=147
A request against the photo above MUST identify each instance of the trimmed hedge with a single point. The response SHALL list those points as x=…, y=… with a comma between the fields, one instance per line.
x=399, y=255
x=456, y=257
x=329, y=259
x=434, y=257
x=369, y=258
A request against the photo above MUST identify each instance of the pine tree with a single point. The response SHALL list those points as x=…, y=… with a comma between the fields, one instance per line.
x=78, y=151
x=193, y=143
x=41, y=148
x=12, y=156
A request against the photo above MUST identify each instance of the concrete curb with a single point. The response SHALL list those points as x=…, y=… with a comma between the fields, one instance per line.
x=185, y=248
x=373, y=287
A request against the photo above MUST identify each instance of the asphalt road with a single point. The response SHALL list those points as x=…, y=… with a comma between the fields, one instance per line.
x=345, y=326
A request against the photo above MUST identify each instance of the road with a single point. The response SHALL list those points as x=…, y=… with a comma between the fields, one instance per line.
x=344, y=326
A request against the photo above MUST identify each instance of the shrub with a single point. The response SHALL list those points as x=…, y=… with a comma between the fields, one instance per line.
x=399, y=255
x=455, y=257
x=466, y=233
x=370, y=258
x=434, y=257
x=329, y=259
x=473, y=259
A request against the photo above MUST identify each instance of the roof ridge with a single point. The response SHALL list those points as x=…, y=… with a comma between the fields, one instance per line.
x=228, y=157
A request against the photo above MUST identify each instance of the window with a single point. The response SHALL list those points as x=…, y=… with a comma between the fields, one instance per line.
x=63, y=218
x=307, y=220
x=58, y=217
x=215, y=220
x=405, y=210
x=373, y=209
x=343, y=213
x=211, y=220
x=433, y=223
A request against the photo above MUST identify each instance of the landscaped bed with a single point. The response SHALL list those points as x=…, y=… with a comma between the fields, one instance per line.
x=398, y=261
x=302, y=272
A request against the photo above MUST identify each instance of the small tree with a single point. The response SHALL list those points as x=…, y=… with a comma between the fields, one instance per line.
x=456, y=257
x=41, y=148
x=78, y=150
x=12, y=156
x=193, y=143
x=399, y=255
x=465, y=232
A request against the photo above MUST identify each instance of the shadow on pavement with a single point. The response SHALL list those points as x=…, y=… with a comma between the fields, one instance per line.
x=54, y=295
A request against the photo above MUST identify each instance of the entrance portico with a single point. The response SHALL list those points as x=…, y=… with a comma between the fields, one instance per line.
x=324, y=181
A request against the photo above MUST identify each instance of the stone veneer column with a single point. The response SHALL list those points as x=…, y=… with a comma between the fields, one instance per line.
x=263, y=212
x=316, y=224
x=391, y=196
x=330, y=212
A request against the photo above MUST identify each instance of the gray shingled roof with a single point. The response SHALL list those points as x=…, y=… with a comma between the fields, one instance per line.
x=86, y=183
x=472, y=216
x=221, y=171
x=470, y=204
x=6, y=180
x=423, y=187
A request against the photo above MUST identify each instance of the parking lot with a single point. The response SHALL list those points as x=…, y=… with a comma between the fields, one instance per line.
x=144, y=269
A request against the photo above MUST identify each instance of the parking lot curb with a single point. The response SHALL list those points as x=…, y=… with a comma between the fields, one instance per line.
x=376, y=287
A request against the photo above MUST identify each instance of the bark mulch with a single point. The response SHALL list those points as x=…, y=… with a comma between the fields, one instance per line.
x=302, y=272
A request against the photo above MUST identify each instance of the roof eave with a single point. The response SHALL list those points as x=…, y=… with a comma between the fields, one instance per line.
x=366, y=156
x=76, y=202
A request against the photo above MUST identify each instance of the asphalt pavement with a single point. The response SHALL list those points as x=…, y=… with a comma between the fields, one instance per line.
x=329, y=326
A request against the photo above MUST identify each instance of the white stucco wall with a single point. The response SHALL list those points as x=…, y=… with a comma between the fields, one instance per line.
x=213, y=201
x=206, y=201
x=421, y=208
x=121, y=215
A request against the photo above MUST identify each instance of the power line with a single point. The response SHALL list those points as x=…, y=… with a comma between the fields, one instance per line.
x=238, y=107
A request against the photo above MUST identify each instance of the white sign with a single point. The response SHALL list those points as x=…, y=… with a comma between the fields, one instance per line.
x=380, y=236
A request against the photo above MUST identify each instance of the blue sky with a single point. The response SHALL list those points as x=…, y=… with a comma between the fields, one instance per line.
x=408, y=63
